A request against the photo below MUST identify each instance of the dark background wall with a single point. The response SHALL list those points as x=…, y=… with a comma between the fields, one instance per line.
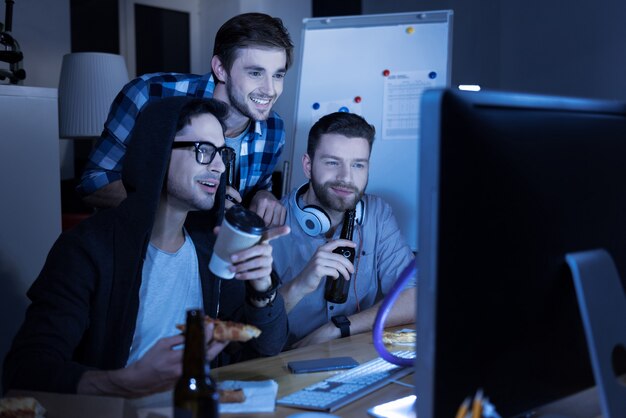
x=544, y=46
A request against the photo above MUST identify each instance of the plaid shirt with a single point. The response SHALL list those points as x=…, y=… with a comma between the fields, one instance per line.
x=260, y=149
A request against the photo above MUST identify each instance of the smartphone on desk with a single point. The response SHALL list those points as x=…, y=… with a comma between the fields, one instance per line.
x=322, y=364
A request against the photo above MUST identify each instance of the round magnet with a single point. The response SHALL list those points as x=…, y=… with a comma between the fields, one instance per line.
x=410, y=30
x=357, y=99
x=316, y=106
x=386, y=73
x=432, y=75
x=344, y=109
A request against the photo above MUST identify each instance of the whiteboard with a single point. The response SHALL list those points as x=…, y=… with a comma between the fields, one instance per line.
x=376, y=66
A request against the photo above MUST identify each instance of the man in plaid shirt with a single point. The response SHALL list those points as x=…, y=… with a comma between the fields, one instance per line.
x=251, y=55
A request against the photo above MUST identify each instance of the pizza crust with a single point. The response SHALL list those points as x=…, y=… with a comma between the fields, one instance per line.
x=229, y=330
x=399, y=337
x=21, y=407
x=231, y=395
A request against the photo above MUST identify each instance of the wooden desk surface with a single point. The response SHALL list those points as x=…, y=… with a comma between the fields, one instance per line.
x=360, y=347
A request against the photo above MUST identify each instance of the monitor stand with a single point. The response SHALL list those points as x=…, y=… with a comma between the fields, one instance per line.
x=602, y=306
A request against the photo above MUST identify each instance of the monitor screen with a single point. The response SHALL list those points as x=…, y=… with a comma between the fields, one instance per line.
x=510, y=183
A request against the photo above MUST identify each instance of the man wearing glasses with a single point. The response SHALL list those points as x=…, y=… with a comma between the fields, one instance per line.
x=251, y=56
x=105, y=306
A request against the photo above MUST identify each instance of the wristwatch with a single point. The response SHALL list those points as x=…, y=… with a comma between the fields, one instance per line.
x=343, y=323
x=266, y=295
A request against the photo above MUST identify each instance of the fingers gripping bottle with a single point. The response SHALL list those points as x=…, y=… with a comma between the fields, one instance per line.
x=336, y=290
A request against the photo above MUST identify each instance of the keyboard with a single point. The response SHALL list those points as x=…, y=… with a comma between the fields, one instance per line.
x=348, y=386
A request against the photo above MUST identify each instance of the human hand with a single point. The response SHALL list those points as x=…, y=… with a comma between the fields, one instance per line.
x=158, y=369
x=324, y=333
x=213, y=348
x=325, y=263
x=265, y=204
x=232, y=197
x=255, y=263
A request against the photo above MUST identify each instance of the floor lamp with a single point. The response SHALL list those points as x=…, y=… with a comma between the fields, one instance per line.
x=88, y=84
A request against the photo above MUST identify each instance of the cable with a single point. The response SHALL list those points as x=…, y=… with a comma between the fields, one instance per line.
x=409, y=271
x=356, y=268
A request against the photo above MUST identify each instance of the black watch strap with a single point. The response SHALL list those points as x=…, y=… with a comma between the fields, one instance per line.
x=343, y=323
x=268, y=294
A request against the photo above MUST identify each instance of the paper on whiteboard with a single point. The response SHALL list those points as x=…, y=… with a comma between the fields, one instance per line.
x=402, y=94
x=320, y=109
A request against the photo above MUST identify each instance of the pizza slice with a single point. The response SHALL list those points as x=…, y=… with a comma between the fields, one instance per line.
x=229, y=330
x=231, y=395
x=399, y=337
x=21, y=407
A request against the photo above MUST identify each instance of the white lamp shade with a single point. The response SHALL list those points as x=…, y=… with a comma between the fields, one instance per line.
x=89, y=83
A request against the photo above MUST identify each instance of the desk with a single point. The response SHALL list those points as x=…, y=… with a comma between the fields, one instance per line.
x=360, y=347
x=583, y=405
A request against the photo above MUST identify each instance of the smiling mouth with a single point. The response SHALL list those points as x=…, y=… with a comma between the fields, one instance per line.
x=209, y=183
x=261, y=100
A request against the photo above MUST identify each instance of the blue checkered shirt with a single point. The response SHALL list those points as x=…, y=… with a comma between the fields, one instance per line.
x=260, y=149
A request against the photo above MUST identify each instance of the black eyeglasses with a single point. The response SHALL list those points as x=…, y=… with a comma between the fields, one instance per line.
x=205, y=151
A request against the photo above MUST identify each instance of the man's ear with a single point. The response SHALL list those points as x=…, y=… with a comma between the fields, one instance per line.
x=306, y=165
x=218, y=69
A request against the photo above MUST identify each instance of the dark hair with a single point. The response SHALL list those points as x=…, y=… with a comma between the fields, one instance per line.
x=251, y=29
x=197, y=107
x=347, y=124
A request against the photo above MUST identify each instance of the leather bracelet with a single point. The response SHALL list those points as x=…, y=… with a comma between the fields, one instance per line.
x=254, y=294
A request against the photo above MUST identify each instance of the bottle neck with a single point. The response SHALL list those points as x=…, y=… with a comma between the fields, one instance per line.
x=194, y=355
x=347, y=228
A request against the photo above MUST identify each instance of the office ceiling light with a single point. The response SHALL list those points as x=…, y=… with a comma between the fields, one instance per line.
x=89, y=82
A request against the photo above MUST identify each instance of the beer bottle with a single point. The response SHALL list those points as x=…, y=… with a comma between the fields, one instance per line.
x=336, y=290
x=229, y=163
x=195, y=395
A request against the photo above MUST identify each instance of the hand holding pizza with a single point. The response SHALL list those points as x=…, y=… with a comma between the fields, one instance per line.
x=226, y=331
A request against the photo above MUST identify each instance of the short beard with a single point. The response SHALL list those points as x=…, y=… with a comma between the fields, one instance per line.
x=241, y=106
x=339, y=205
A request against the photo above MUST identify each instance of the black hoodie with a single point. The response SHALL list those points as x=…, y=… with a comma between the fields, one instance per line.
x=84, y=302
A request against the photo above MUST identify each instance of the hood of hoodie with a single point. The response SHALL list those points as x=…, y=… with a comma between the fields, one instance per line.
x=146, y=163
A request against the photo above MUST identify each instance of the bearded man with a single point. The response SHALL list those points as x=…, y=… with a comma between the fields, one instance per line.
x=337, y=166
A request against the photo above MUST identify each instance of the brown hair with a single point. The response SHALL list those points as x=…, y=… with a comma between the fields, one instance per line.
x=251, y=29
x=347, y=124
x=197, y=107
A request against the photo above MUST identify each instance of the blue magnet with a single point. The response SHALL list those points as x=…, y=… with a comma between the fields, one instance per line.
x=344, y=109
x=316, y=105
x=432, y=75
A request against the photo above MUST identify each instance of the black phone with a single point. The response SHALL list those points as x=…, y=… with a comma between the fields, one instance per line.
x=322, y=364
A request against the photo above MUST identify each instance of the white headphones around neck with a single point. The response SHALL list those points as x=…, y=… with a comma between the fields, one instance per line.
x=313, y=219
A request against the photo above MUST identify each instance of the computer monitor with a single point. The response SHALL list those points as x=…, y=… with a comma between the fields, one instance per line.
x=509, y=184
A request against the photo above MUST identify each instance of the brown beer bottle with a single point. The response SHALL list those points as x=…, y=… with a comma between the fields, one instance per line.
x=336, y=290
x=195, y=395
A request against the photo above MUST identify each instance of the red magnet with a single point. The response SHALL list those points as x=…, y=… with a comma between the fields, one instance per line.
x=357, y=99
x=386, y=73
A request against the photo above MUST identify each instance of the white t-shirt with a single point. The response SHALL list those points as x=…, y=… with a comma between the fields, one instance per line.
x=170, y=285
